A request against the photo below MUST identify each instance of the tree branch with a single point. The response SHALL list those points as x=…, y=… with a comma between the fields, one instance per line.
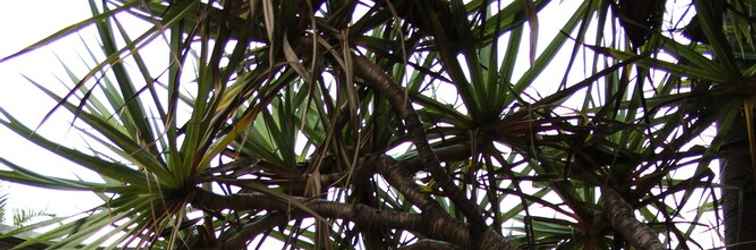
x=621, y=217
x=428, y=225
x=377, y=79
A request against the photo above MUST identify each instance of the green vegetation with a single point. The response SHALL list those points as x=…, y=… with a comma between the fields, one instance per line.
x=406, y=124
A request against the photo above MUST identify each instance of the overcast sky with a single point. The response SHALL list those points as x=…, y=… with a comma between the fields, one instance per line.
x=22, y=23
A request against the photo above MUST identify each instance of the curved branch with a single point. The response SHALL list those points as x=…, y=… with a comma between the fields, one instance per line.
x=429, y=225
x=621, y=217
x=399, y=177
x=377, y=79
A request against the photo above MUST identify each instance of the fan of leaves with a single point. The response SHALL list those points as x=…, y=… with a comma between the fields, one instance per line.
x=328, y=124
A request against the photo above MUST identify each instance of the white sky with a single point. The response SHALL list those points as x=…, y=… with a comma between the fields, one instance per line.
x=24, y=22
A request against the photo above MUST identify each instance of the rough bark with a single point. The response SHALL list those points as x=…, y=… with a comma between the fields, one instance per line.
x=432, y=225
x=378, y=79
x=621, y=218
x=436, y=220
x=739, y=197
x=400, y=178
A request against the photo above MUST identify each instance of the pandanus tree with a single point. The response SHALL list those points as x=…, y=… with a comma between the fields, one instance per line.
x=394, y=125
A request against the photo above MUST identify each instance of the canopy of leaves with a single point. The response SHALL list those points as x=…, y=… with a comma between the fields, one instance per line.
x=396, y=124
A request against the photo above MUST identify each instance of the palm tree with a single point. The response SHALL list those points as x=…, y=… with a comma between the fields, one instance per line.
x=723, y=29
x=327, y=124
x=739, y=195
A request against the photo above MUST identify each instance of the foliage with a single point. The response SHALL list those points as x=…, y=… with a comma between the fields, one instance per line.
x=23, y=217
x=281, y=121
x=20, y=217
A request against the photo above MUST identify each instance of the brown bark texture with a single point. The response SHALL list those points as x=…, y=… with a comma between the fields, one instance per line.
x=621, y=217
x=738, y=196
x=431, y=225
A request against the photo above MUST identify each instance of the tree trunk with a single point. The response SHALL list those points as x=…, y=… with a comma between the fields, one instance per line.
x=621, y=217
x=739, y=196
